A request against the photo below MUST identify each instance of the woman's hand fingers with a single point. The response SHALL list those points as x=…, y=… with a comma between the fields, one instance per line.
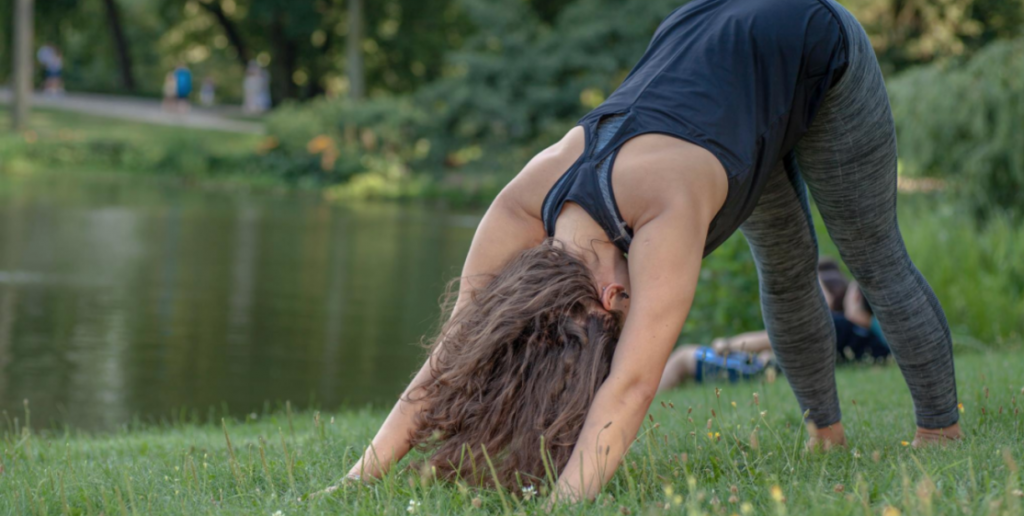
x=346, y=482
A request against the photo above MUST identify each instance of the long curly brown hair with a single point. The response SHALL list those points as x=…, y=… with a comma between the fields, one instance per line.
x=520, y=365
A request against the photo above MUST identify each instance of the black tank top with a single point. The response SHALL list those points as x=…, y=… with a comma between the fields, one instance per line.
x=739, y=78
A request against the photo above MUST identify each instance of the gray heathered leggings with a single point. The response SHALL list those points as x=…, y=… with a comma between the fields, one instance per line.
x=848, y=159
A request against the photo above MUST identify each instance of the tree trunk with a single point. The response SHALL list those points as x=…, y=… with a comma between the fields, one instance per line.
x=124, y=57
x=230, y=31
x=22, y=73
x=354, y=51
x=282, y=65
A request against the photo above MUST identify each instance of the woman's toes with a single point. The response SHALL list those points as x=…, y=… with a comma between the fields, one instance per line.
x=825, y=438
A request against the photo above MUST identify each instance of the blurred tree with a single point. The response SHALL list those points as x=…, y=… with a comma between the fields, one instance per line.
x=230, y=30
x=521, y=75
x=308, y=46
x=547, y=10
x=354, y=51
x=124, y=56
x=406, y=44
x=909, y=32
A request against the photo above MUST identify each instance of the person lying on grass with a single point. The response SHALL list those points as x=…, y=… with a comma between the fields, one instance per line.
x=746, y=356
x=557, y=338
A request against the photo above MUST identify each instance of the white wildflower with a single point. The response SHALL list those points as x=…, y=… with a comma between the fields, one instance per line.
x=529, y=492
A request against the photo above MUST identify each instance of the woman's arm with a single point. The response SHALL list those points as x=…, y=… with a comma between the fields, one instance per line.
x=664, y=265
x=504, y=231
x=509, y=227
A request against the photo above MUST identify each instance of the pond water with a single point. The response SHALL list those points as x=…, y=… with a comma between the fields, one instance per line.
x=123, y=299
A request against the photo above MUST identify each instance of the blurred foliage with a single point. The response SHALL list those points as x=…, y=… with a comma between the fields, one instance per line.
x=328, y=141
x=302, y=43
x=463, y=92
x=411, y=43
x=975, y=270
x=964, y=122
x=506, y=93
x=520, y=84
x=909, y=32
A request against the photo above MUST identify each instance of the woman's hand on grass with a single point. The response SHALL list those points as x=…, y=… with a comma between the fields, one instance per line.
x=347, y=482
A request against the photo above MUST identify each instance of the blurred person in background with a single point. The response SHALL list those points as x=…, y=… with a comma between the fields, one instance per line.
x=52, y=61
x=255, y=89
x=170, y=92
x=858, y=339
x=183, y=87
x=207, y=92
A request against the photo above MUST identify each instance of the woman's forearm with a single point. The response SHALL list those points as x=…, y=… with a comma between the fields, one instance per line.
x=663, y=272
x=611, y=426
x=392, y=440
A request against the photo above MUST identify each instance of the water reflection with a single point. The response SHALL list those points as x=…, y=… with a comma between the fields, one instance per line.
x=120, y=299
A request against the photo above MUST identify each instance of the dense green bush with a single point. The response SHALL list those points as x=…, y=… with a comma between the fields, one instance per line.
x=975, y=270
x=184, y=156
x=329, y=141
x=69, y=142
x=965, y=122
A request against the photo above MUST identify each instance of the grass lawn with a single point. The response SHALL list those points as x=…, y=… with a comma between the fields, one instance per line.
x=695, y=458
x=71, y=126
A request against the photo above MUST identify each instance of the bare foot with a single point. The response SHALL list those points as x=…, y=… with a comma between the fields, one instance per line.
x=940, y=436
x=825, y=438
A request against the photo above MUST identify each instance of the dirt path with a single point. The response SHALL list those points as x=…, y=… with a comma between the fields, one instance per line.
x=142, y=110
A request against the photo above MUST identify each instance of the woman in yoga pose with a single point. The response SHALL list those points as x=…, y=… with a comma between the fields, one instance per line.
x=558, y=340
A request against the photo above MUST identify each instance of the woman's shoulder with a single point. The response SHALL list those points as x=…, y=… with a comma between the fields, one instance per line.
x=531, y=185
x=657, y=172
